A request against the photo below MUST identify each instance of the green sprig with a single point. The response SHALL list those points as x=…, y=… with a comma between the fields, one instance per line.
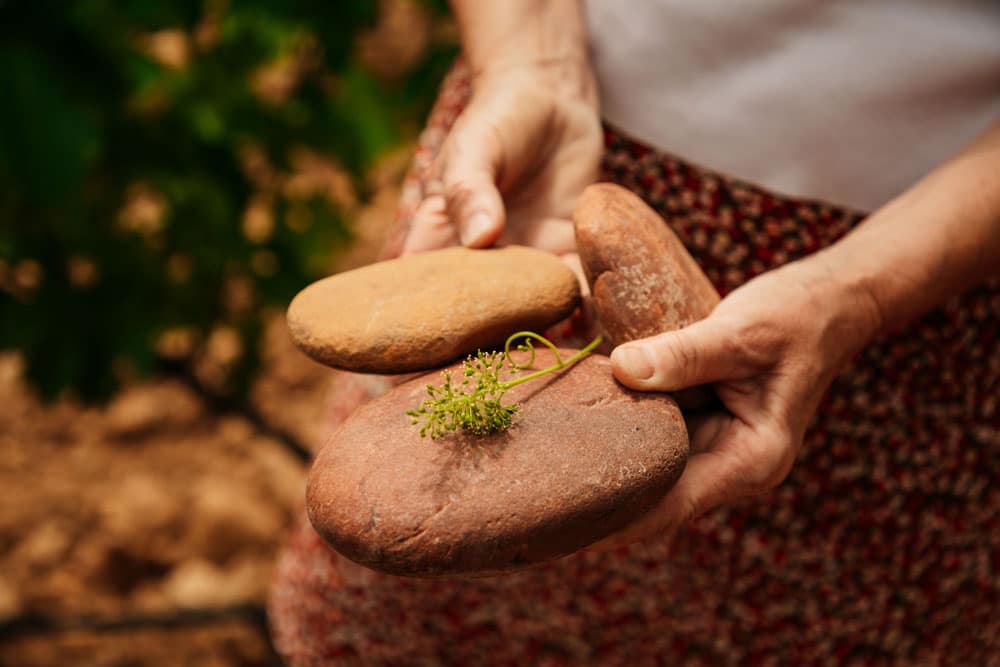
x=473, y=404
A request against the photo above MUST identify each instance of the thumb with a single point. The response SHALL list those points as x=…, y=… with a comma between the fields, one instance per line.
x=469, y=172
x=698, y=354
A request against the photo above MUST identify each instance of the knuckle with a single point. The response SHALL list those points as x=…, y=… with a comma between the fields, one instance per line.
x=463, y=197
x=691, y=510
x=457, y=191
x=753, y=343
x=774, y=458
x=774, y=475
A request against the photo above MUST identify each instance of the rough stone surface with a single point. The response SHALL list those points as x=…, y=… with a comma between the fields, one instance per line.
x=421, y=311
x=642, y=278
x=584, y=457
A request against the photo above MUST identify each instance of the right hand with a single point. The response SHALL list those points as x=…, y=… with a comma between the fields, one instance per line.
x=516, y=160
x=770, y=349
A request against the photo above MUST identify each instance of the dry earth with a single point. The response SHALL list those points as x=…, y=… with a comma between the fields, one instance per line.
x=143, y=532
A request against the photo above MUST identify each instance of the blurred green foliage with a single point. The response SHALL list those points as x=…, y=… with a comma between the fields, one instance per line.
x=124, y=132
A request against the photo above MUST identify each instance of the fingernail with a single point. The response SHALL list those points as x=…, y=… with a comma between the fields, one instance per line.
x=477, y=226
x=635, y=361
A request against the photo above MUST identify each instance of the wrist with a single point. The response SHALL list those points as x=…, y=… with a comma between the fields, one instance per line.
x=844, y=306
x=567, y=79
x=546, y=40
x=931, y=242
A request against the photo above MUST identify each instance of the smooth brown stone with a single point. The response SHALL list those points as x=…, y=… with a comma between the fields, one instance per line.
x=642, y=278
x=584, y=457
x=421, y=311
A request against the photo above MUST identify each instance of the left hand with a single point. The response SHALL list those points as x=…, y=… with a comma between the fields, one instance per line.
x=771, y=349
x=519, y=155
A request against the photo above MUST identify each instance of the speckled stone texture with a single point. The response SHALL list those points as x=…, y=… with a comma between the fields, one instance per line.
x=583, y=458
x=642, y=278
x=421, y=311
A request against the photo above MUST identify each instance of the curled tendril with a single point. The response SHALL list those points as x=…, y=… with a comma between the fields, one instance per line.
x=472, y=403
x=527, y=346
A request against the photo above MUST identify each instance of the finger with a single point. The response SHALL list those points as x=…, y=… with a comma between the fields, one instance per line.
x=572, y=260
x=431, y=228
x=471, y=163
x=705, y=429
x=700, y=353
x=433, y=186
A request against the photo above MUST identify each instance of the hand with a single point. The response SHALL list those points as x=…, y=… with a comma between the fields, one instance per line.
x=516, y=160
x=771, y=348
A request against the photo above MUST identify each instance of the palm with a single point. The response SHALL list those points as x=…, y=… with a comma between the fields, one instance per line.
x=550, y=178
x=520, y=155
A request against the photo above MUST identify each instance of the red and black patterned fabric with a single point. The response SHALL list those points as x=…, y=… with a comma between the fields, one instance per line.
x=881, y=547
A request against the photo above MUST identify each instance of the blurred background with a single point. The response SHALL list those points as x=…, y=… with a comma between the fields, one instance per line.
x=171, y=174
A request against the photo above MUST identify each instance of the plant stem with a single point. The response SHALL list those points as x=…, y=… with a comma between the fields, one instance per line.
x=559, y=362
x=450, y=407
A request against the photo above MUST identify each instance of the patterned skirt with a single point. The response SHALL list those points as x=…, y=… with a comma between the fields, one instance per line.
x=881, y=547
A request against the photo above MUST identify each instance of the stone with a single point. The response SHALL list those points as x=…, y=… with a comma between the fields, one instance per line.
x=583, y=458
x=642, y=278
x=421, y=311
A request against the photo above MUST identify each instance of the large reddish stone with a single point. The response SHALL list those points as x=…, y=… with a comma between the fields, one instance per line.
x=583, y=458
x=421, y=311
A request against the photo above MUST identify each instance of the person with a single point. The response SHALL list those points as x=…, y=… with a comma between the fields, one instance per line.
x=856, y=356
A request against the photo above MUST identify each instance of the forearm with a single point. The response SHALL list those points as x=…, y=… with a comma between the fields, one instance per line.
x=934, y=241
x=514, y=33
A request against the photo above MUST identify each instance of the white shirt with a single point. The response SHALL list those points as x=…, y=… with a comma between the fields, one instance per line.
x=850, y=101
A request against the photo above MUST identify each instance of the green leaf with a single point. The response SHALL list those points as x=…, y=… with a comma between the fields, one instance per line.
x=47, y=142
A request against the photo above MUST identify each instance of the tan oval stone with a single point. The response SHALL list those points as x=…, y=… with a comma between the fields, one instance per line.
x=421, y=311
x=584, y=457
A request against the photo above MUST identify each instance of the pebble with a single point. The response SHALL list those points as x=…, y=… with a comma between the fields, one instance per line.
x=421, y=311
x=642, y=278
x=583, y=458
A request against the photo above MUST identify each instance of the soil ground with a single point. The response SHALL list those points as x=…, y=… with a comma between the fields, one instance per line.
x=143, y=532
